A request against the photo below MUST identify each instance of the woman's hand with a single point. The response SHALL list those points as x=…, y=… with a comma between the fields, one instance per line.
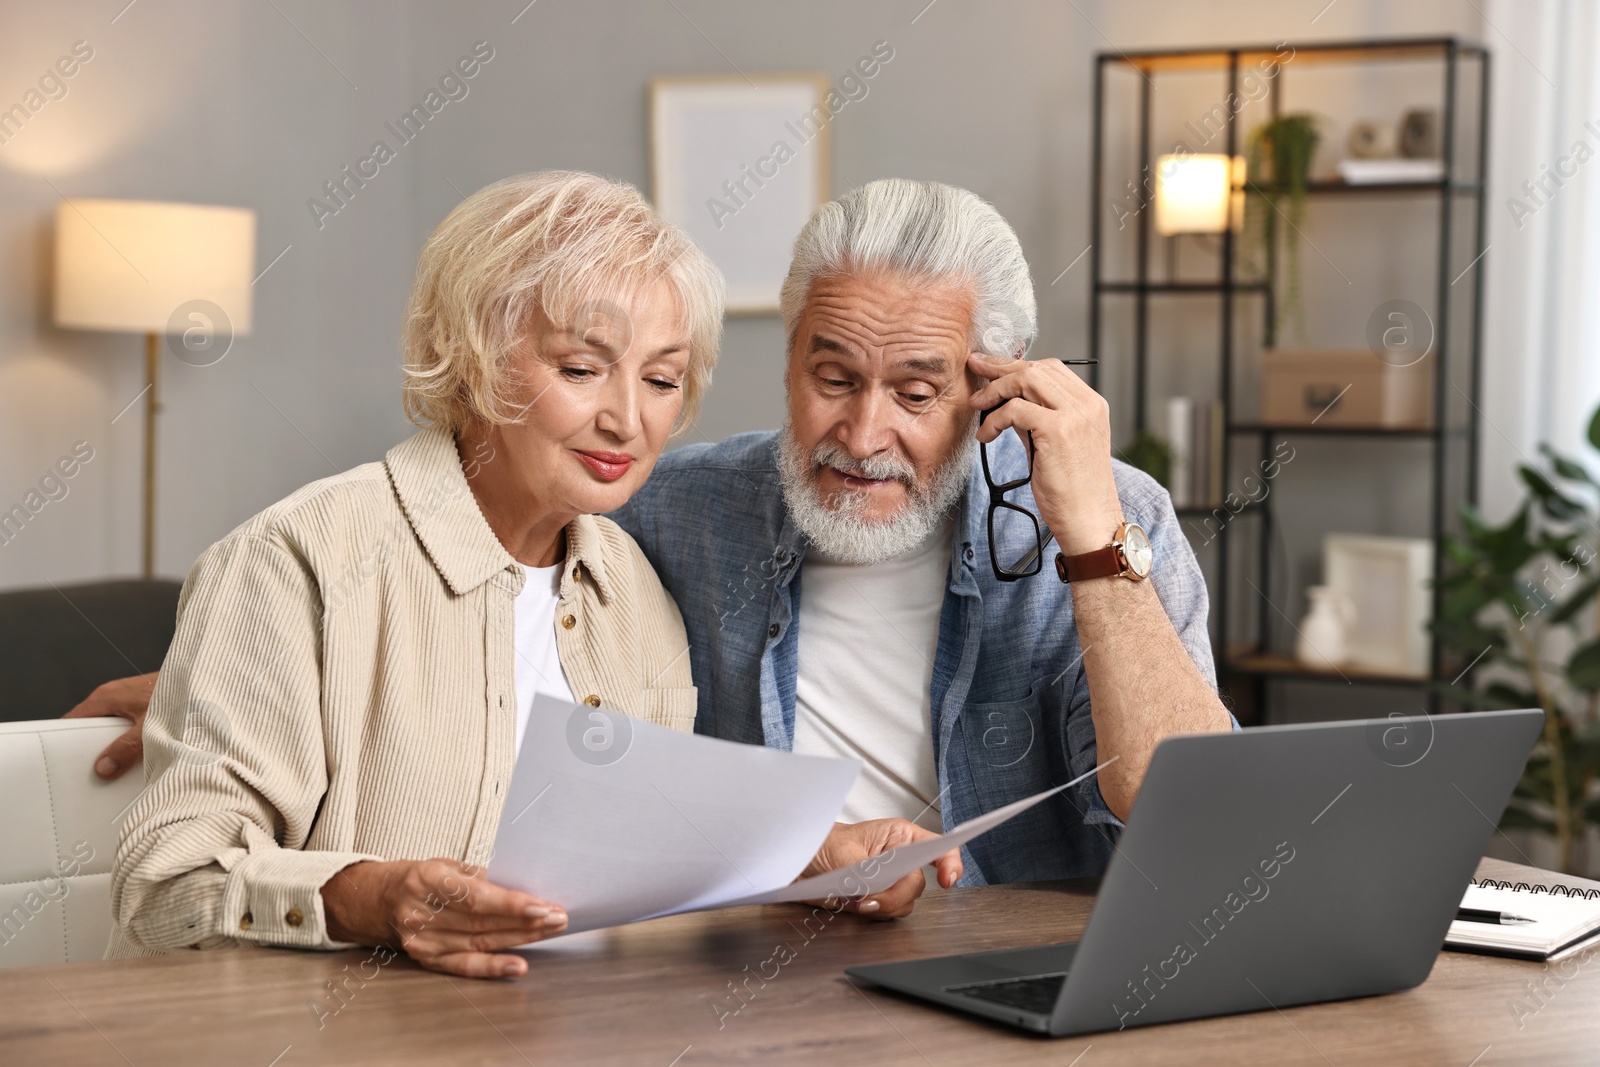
x=443, y=914
x=850, y=843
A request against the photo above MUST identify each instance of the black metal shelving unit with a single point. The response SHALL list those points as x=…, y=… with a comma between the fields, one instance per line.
x=1245, y=669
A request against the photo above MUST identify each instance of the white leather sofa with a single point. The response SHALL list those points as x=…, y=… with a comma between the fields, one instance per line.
x=58, y=836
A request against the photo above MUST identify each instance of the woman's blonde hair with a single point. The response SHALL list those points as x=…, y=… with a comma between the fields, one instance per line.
x=551, y=241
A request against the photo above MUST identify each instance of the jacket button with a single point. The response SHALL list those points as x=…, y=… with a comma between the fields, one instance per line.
x=293, y=917
x=592, y=700
x=569, y=621
x=577, y=574
x=244, y=923
x=772, y=631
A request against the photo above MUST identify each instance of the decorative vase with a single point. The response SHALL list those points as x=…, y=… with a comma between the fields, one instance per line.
x=1370, y=140
x=1323, y=641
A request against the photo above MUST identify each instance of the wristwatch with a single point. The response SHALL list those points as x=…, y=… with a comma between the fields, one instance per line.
x=1128, y=555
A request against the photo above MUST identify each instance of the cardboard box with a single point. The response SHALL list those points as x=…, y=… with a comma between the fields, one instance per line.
x=1345, y=387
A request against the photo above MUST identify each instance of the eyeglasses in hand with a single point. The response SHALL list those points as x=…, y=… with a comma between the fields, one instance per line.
x=1016, y=538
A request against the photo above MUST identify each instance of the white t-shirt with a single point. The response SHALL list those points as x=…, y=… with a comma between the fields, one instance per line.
x=865, y=687
x=538, y=667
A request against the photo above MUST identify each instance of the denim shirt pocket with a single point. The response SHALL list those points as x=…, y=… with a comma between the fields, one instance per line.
x=1006, y=747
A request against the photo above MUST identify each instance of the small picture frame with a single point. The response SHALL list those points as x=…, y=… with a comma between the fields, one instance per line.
x=740, y=164
x=1387, y=579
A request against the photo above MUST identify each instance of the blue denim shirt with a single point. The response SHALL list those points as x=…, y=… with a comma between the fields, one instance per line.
x=1010, y=701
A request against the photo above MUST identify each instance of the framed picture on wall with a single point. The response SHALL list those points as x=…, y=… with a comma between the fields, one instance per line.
x=740, y=164
x=1387, y=580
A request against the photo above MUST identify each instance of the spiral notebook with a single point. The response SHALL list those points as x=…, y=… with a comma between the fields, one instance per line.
x=1566, y=919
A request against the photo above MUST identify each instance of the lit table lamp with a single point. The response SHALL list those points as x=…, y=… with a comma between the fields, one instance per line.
x=1199, y=194
x=137, y=267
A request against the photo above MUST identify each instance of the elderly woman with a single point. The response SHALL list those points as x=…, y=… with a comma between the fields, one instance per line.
x=353, y=667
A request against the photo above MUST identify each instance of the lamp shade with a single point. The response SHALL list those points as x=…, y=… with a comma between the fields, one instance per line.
x=128, y=265
x=1198, y=194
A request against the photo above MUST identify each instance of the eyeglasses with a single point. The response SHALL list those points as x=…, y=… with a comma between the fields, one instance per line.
x=1016, y=539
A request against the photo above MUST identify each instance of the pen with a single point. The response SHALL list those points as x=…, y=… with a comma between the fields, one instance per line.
x=1480, y=915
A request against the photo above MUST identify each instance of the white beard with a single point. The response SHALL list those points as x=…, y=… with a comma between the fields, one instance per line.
x=838, y=528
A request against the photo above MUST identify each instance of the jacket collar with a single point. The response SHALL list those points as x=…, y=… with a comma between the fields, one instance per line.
x=586, y=549
x=972, y=513
x=426, y=473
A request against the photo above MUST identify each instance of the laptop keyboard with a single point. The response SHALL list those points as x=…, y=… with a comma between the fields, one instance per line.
x=1037, y=994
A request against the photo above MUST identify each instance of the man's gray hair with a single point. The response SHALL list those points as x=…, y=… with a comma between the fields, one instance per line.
x=928, y=231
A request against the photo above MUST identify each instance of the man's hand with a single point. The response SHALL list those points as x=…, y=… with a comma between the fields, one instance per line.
x=443, y=914
x=127, y=698
x=850, y=843
x=1073, y=484
x=1142, y=684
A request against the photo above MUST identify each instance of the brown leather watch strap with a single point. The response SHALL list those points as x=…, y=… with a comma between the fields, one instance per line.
x=1101, y=563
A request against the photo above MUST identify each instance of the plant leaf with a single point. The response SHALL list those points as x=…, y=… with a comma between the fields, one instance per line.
x=1463, y=603
x=1583, y=669
x=1570, y=469
x=1515, y=818
x=1510, y=696
x=1581, y=598
x=1471, y=698
x=1508, y=546
x=1551, y=499
x=1594, y=429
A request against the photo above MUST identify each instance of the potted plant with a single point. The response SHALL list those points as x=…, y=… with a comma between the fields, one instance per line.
x=1515, y=603
x=1150, y=454
x=1279, y=170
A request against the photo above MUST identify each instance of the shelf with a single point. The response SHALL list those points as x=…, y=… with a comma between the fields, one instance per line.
x=1331, y=431
x=1392, y=213
x=1329, y=52
x=1275, y=665
x=1178, y=287
x=1388, y=188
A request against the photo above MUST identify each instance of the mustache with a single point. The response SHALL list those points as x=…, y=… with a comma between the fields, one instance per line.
x=877, y=467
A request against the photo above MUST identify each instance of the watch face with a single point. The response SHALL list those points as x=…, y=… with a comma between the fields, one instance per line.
x=1136, y=550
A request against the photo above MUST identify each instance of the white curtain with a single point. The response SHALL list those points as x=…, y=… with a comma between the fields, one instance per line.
x=1542, y=282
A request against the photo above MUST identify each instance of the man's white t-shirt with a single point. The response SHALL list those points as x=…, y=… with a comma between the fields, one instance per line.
x=538, y=667
x=865, y=681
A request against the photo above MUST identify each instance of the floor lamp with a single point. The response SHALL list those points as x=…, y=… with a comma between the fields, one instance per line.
x=182, y=270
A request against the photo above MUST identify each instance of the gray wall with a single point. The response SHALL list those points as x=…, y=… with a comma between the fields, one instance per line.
x=214, y=103
x=237, y=103
x=229, y=103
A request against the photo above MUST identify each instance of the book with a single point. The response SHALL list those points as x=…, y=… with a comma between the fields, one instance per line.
x=1564, y=920
x=1219, y=428
x=1180, y=436
x=1385, y=171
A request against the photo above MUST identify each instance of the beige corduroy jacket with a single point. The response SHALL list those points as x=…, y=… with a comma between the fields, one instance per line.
x=340, y=688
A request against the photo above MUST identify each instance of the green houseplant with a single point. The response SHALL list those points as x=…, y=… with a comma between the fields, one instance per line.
x=1150, y=454
x=1279, y=169
x=1514, y=601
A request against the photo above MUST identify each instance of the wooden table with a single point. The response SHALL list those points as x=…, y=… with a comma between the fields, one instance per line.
x=660, y=994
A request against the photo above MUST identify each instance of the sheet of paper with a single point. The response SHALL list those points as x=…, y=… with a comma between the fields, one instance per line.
x=882, y=871
x=617, y=820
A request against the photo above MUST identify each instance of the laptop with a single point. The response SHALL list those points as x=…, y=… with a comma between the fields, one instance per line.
x=1274, y=866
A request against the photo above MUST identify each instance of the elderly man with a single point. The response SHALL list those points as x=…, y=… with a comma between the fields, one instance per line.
x=835, y=576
